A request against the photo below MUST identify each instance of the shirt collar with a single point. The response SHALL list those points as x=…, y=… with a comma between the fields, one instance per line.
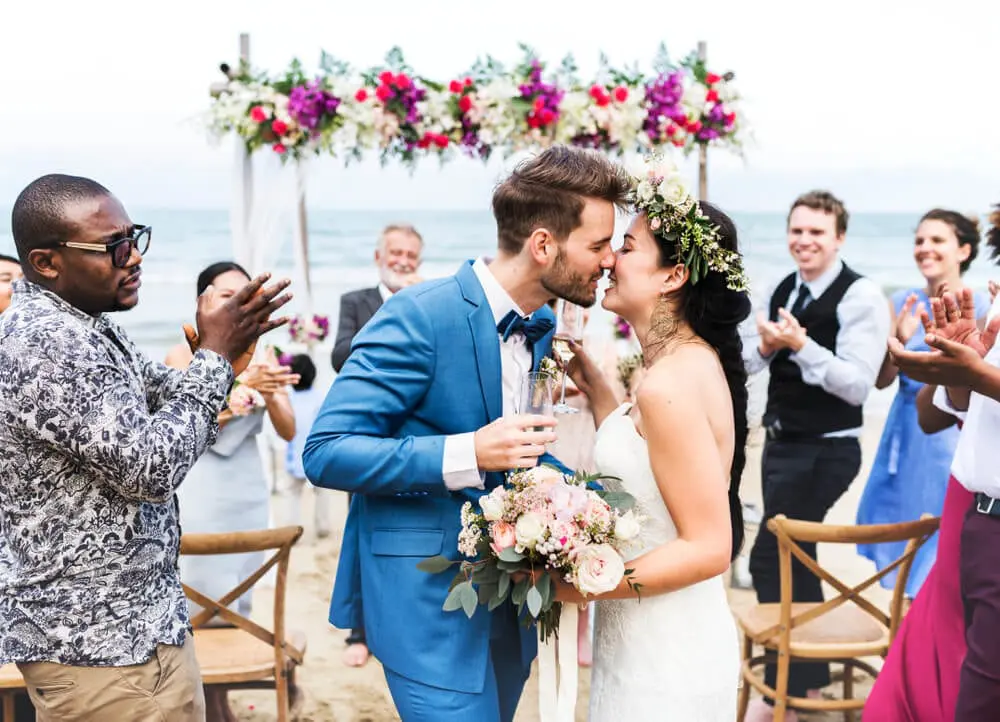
x=27, y=293
x=500, y=301
x=817, y=287
x=384, y=292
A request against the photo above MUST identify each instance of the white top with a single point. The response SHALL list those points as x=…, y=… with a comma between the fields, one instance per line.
x=976, y=464
x=384, y=292
x=865, y=322
x=460, y=470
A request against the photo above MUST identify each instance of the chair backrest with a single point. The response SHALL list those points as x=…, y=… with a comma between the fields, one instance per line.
x=790, y=532
x=281, y=542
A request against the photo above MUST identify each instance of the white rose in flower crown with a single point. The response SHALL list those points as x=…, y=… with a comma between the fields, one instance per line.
x=529, y=529
x=493, y=504
x=627, y=526
x=645, y=191
x=673, y=190
x=599, y=569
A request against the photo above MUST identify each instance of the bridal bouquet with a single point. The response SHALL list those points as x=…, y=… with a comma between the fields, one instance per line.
x=243, y=400
x=541, y=520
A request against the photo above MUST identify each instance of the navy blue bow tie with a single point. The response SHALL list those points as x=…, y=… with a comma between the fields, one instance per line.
x=532, y=328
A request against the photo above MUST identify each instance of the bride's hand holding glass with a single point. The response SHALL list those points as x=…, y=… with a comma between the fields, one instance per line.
x=581, y=368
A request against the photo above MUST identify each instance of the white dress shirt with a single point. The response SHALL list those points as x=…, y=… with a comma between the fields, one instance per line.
x=865, y=322
x=976, y=463
x=460, y=470
x=384, y=292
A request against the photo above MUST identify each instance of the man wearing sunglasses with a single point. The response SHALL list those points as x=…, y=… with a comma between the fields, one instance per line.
x=95, y=440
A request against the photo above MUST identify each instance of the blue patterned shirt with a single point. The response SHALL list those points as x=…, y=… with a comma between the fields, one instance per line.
x=94, y=440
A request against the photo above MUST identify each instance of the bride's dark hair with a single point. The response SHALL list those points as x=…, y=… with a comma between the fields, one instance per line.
x=715, y=312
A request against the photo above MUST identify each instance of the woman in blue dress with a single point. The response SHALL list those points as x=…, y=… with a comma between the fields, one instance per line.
x=910, y=473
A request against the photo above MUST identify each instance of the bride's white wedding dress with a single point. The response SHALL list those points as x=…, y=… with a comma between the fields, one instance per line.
x=672, y=656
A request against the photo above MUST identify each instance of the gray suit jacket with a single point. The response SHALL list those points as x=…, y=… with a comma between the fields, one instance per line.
x=356, y=309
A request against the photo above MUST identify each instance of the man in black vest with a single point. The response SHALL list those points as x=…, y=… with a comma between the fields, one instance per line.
x=823, y=336
x=398, y=257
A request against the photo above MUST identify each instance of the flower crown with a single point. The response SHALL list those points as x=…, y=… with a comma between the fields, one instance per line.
x=674, y=215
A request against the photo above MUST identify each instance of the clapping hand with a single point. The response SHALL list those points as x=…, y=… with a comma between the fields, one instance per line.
x=957, y=344
x=908, y=318
x=786, y=332
x=232, y=329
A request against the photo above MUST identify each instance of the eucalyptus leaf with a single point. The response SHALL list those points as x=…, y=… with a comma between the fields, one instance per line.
x=486, y=592
x=454, y=599
x=534, y=600
x=520, y=591
x=503, y=584
x=510, y=566
x=435, y=565
x=496, y=602
x=469, y=599
x=486, y=574
x=546, y=589
x=620, y=500
x=510, y=555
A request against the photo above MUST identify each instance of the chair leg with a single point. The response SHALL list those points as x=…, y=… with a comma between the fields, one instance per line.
x=281, y=688
x=744, y=698
x=9, y=710
x=781, y=686
x=848, y=689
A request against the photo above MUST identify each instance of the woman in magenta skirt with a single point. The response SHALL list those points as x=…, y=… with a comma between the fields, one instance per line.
x=919, y=681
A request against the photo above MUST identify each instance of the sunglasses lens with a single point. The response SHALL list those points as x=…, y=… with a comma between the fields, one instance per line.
x=142, y=243
x=121, y=254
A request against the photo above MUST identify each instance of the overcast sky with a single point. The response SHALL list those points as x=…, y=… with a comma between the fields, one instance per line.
x=891, y=104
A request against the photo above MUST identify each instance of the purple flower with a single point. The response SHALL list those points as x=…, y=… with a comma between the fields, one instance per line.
x=310, y=105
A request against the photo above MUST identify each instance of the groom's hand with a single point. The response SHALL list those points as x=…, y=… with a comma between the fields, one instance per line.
x=513, y=442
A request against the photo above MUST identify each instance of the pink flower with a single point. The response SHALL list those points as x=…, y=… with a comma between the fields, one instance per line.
x=257, y=114
x=503, y=536
x=598, y=511
x=599, y=569
x=568, y=501
x=564, y=533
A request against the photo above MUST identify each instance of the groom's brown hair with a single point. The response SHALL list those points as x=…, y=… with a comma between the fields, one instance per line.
x=548, y=191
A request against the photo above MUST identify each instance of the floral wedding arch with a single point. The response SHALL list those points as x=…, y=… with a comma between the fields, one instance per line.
x=399, y=114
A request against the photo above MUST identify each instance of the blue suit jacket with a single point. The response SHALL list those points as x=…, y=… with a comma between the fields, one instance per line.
x=426, y=366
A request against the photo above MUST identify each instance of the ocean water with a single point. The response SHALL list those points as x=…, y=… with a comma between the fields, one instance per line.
x=342, y=245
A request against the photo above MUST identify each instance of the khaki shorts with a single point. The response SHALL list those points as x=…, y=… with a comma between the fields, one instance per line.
x=167, y=688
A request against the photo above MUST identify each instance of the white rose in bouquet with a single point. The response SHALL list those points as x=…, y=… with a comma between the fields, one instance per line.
x=599, y=569
x=627, y=526
x=530, y=528
x=493, y=504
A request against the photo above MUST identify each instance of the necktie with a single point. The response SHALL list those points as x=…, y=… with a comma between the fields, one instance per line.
x=801, y=300
x=532, y=328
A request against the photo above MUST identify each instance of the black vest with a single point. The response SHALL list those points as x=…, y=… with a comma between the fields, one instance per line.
x=798, y=408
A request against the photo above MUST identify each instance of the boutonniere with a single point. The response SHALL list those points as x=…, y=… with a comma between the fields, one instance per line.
x=550, y=367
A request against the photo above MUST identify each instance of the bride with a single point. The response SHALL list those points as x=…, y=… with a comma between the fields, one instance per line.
x=666, y=645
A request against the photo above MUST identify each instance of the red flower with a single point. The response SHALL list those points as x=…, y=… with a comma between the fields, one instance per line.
x=257, y=114
x=383, y=92
x=465, y=103
x=546, y=116
x=712, y=95
x=385, y=77
x=694, y=126
x=402, y=82
x=361, y=96
x=279, y=148
x=730, y=118
x=468, y=82
x=712, y=78
x=539, y=103
x=621, y=93
x=279, y=127
x=596, y=91
x=441, y=141
x=533, y=121
x=455, y=86
x=603, y=100
x=678, y=142
x=424, y=142
x=671, y=130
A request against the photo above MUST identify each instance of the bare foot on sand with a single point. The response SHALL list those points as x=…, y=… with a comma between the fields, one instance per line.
x=356, y=655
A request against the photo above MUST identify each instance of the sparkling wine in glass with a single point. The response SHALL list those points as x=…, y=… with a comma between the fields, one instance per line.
x=569, y=327
x=537, y=392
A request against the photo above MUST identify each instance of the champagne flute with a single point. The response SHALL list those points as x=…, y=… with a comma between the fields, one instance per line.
x=569, y=327
x=537, y=392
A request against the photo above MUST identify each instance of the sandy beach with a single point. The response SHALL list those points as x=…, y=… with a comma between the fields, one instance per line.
x=341, y=694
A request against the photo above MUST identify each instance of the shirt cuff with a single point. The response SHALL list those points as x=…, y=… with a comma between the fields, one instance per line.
x=942, y=401
x=811, y=354
x=459, y=467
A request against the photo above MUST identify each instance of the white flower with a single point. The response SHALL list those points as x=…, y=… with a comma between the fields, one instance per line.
x=645, y=191
x=529, y=528
x=599, y=569
x=673, y=191
x=626, y=526
x=493, y=504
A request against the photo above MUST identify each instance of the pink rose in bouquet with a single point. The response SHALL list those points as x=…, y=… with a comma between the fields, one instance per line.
x=541, y=519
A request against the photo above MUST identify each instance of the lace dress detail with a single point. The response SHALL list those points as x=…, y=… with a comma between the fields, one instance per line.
x=670, y=657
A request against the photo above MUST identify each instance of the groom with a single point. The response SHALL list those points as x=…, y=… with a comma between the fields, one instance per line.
x=420, y=421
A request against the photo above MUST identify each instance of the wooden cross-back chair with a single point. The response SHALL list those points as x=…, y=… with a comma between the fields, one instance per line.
x=842, y=629
x=246, y=655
